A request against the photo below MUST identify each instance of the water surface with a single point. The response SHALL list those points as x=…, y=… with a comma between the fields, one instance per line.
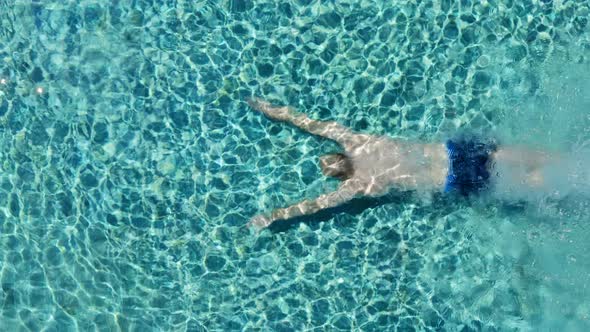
x=129, y=163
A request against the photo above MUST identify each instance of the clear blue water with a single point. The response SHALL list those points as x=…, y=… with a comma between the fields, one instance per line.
x=129, y=164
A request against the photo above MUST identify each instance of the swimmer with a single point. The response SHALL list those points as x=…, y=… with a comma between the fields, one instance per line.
x=373, y=165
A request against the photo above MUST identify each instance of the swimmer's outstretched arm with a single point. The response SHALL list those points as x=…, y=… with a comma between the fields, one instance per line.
x=328, y=129
x=347, y=191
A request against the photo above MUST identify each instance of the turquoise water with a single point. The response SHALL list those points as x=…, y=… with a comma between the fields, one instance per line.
x=129, y=164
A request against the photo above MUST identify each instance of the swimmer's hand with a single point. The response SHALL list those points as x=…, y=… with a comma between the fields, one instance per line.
x=279, y=113
x=259, y=222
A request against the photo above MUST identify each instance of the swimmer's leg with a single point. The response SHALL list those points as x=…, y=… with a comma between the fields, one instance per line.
x=521, y=165
x=524, y=173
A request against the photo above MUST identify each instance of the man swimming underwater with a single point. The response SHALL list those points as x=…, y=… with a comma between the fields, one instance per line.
x=373, y=165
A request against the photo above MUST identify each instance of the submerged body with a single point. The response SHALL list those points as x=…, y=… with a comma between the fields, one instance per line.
x=382, y=163
x=373, y=165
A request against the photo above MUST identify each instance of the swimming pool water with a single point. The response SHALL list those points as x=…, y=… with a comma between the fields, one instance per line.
x=130, y=163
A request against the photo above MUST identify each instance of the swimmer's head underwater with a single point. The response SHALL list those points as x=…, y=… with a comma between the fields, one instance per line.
x=337, y=165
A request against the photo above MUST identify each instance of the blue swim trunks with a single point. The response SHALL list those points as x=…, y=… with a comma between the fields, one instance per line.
x=469, y=161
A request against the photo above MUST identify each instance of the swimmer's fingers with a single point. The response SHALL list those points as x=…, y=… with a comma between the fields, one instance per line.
x=259, y=222
x=258, y=104
x=280, y=113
